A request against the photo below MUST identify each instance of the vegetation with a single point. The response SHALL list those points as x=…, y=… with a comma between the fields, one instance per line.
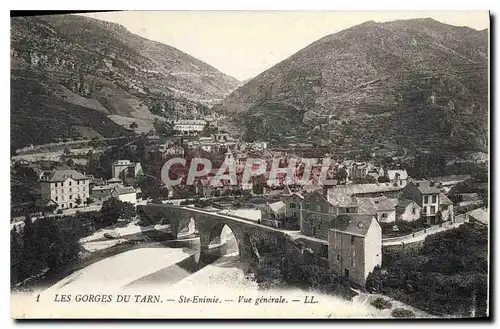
x=114, y=209
x=402, y=313
x=381, y=303
x=40, y=246
x=448, y=276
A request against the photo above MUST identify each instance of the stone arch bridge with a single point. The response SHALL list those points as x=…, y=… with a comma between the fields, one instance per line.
x=252, y=238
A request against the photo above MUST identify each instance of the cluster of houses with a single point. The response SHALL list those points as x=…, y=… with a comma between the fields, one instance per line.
x=67, y=189
x=343, y=223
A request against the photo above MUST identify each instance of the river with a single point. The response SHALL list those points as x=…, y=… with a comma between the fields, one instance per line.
x=175, y=271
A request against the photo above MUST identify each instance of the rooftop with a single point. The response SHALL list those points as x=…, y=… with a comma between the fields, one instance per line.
x=443, y=199
x=277, y=207
x=374, y=205
x=425, y=187
x=62, y=175
x=355, y=224
x=363, y=188
x=481, y=215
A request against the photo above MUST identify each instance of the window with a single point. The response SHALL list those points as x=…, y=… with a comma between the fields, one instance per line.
x=352, y=240
x=424, y=210
x=384, y=215
x=347, y=210
x=313, y=230
x=318, y=207
x=433, y=210
x=69, y=183
x=294, y=215
x=71, y=196
x=413, y=210
x=70, y=190
x=55, y=184
x=307, y=205
x=56, y=198
x=338, y=256
x=434, y=199
x=426, y=199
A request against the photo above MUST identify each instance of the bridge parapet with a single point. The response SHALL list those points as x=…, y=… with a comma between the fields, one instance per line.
x=252, y=238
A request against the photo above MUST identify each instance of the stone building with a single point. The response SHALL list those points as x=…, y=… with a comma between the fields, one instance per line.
x=355, y=247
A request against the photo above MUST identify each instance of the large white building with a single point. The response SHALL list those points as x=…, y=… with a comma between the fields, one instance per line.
x=64, y=188
x=189, y=127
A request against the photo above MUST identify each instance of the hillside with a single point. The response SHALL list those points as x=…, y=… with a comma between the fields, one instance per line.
x=67, y=67
x=419, y=84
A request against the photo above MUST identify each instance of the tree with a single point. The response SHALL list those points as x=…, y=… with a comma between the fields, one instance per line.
x=134, y=125
x=383, y=179
x=70, y=162
x=342, y=174
x=78, y=200
x=49, y=208
x=113, y=209
x=89, y=201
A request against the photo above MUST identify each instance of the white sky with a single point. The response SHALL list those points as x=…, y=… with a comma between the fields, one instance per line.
x=245, y=43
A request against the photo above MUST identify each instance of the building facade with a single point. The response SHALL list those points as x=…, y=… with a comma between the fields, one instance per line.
x=64, y=188
x=355, y=247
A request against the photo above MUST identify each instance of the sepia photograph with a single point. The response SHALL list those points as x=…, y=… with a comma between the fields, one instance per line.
x=250, y=165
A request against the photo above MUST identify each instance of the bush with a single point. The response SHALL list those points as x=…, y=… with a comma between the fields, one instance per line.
x=402, y=313
x=381, y=303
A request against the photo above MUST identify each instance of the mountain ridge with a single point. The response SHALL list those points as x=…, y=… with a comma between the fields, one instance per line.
x=101, y=66
x=368, y=70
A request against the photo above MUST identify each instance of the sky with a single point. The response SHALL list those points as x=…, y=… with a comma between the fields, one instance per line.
x=243, y=44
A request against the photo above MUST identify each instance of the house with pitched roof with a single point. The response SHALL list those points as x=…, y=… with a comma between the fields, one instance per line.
x=398, y=177
x=355, y=246
x=427, y=196
x=292, y=202
x=318, y=209
x=64, y=188
x=382, y=207
x=125, y=194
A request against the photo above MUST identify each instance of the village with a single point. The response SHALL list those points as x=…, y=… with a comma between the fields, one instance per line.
x=366, y=209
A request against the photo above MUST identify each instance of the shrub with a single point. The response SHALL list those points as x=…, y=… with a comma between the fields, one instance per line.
x=402, y=313
x=381, y=303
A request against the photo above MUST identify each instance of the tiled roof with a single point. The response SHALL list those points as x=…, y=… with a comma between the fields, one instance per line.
x=356, y=224
x=62, y=175
x=403, y=203
x=342, y=200
x=363, y=188
x=277, y=207
x=124, y=190
x=481, y=214
x=425, y=188
x=443, y=200
x=373, y=205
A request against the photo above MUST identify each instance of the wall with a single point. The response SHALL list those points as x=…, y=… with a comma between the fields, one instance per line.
x=314, y=217
x=428, y=202
x=373, y=248
x=319, y=248
x=129, y=197
x=408, y=215
x=347, y=252
x=390, y=216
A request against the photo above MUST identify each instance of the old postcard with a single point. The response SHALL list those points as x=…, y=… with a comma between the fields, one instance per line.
x=227, y=165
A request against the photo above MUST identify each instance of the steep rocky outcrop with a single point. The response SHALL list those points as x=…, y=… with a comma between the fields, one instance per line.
x=70, y=61
x=420, y=84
